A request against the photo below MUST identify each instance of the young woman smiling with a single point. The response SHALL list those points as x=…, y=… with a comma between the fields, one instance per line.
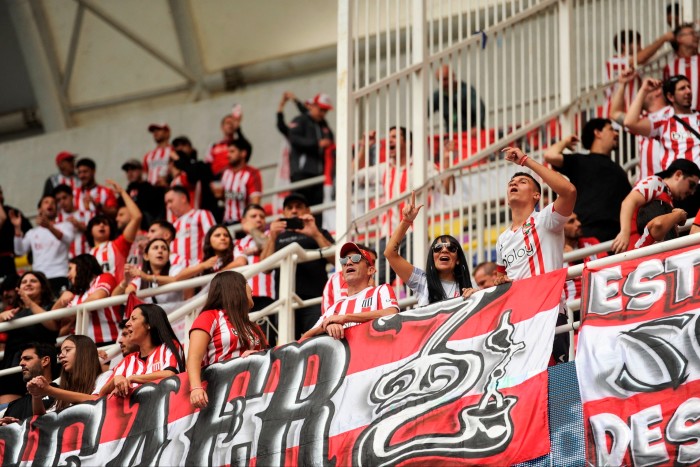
x=218, y=254
x=446, y=274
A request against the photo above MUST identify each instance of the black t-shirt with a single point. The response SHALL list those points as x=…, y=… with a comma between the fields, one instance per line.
x=7, y=232
x=601, y=185
x=22, y=408
x=311, y=276
x=20, y=336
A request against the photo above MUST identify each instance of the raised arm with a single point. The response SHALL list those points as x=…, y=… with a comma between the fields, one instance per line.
x=633, y=119
x=132, y=228
x=398, y=263
x=617, y=103
x=565, y=190
x=660, y=225
x=554, y=153
x=648, y=52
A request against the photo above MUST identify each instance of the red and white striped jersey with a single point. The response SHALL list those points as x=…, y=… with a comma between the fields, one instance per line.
x=195, y=191
x=100, y=194
x=335, y=289
x=654, y=188
x=369, y=299
x=224, y=343
x=651, y=151
x=678, y=142
x=613, y=67
x=60, y=179
x=190, y=230
x=263, y=284
x=112, y=255
x=396, y=182
x=103, y=326
x=239, y=186
x=79, y=245
x=690, y=68
x=155, y=164
x=645, y=239
x=159, y=360
x=572, y=287
x=535, y=248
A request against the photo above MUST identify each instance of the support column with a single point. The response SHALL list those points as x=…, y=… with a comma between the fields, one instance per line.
x=45, y=83
x=566, y=32
x=187, y=38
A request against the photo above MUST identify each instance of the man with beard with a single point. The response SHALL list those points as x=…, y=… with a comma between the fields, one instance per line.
x=241, y=184
x=49, y=243
x=155, y=162
x=37, y=359
x=90, y=196
x=217, y=157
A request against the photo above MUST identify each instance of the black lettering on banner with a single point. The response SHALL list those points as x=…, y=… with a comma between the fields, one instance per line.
x=150, y=425
x=215, y=419
x=314, y=410
x=52, y=427
x=13, y=439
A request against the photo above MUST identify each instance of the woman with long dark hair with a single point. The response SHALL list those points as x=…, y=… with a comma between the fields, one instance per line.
x=89, y=283
x=155, y=271
x=34, y=297
x=80, y=369
x=159, y=352
x=446, y=273
x=222, y=331
x=218, y=254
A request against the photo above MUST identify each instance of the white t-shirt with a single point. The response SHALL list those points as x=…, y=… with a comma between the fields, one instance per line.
x=418, y=283
x=50, y=254
x=535, y=248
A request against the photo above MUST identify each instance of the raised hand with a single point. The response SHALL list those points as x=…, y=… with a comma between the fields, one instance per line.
x=410, y=210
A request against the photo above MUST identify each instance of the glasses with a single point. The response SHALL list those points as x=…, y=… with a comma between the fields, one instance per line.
x=438, y=247
x=355, y=258
x=65, y=350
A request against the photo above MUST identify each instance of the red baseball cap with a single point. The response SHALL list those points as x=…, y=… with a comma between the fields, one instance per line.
x=64, y=156
x=323, y=101
x=350, y=247
x=158, y=126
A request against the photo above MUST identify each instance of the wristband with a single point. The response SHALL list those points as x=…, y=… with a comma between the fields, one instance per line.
x=522, y=163
x=198, y=387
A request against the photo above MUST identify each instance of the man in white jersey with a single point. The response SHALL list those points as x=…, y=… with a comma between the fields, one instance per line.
x=48, y=241
x=534, y=243
x=677, y=132
x=363, y=303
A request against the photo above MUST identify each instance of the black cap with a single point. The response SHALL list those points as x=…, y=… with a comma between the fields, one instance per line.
x=132, y=164
x=295, y=197
x=688, y=167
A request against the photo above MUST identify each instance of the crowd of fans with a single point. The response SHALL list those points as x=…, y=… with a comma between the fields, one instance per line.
x=171, y=223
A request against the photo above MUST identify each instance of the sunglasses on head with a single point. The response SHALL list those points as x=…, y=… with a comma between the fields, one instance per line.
x=438, y=247
x=355, y=258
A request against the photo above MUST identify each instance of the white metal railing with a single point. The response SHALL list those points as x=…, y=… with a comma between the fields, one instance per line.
x=537, y=65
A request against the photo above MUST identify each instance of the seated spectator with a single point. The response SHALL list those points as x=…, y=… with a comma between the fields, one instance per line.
x=7, y=235
x=80, y=369
x=67, y=212
x=671, y=185
x=155, y=271
x=65, y=161
x=218, y=250
x=446, y=273
x=90, y=196
x=336, y=287
x=485, y=274
x=310, y=276
x=36, y=359
x=155, y=162
x=195, y=173
x=191, y=225
x=363, y=301
x=231, y=130
x=658, y=222
x=241, y=184
x=112, y=250
x=49, y=242
x=222, y=331
x=34, y=297
x=148, y=198
x=159, y=352
x=534, y=242
x=600, y=182
x=89, y=283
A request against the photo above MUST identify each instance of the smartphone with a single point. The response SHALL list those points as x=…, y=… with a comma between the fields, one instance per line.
x=293, y=223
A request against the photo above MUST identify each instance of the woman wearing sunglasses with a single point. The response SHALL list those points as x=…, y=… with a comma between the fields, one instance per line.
x=446, y=274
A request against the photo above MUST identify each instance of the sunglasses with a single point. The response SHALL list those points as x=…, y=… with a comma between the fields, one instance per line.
x=355, y=258
x=438, y=247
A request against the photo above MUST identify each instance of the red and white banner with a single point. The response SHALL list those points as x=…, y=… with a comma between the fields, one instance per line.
x=638, y=361
x=459, y=382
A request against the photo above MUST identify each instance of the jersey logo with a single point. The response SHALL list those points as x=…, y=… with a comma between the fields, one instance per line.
x=679, y=135
x=367, y=302
x=514, y=255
